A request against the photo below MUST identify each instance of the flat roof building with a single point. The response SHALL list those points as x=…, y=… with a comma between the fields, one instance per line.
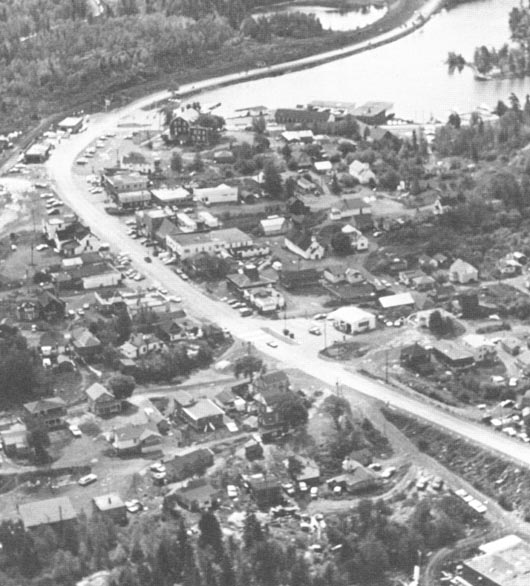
x=47, y=512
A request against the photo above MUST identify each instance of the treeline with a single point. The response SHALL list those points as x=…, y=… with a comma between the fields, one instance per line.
x=158, y=550
x=295, y=25
x=513, y=60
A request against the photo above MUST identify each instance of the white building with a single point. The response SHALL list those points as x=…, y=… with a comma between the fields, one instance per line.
x=483, y=350
x=188, y=245
x=265, y=299
x=216, y=195
x=462, y=272
x=273, y=225
x=361, y=172
x=186, y=223
x=305, y=245
x=208, y=219
x=94, y=276
x=352, y=320
x=358, y=240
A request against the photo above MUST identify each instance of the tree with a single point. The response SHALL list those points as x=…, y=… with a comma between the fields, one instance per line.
x=337, y=408
x=292, y=409
x=341, y=243
x=211, y=534
x=454, y=120
x=286, y=151
x=252, y=531
x=335, y=186
x=123, y=325
x=259, y=124
x=39, y=440
x=272, y=181
x=247, y=365
x=122, y=386
x=176, y=163
x=436, y=324
x=198, y=164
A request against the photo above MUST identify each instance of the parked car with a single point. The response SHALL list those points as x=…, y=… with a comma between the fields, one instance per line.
x=74, y=430
x=314, y=492
x=315, y=331
x=231, y=491
x=157, y=467
x=86, y=480
x=133, y=506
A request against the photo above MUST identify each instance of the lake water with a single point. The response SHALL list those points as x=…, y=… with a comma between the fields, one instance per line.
x=333, y=19
x=410, y=72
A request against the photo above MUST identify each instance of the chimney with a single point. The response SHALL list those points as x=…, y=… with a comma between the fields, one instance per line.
x=110, y=500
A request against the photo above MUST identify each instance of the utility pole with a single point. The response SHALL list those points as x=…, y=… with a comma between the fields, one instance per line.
x=386, y=365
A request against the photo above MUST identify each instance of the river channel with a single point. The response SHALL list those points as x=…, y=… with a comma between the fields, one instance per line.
x=411, y=72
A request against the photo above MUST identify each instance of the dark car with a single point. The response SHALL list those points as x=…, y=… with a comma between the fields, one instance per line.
x=148, y=259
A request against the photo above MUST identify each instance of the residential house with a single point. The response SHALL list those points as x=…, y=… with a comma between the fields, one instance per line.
x=109, y=301
x=172, y=330
x=309, y=472
x=511, y=345
x=204, y=415
x=15, y=441
x=453, y=355
x=462, y=272
x=396, y=264
x=140, y=344
x=423, y=283
x=362, y=172
x=482, y=348
x=45, y=305
x=249, y=278
x=142, y=439
x=407, y=277
x=85, y=344
x=441, y=259
x=297, y=280
x=56, y=512
x=50, y=412
x=276, y=380
x=94, y=276
x=221, y=194
x=111, y=507
x=266, y=492
x=427, y=262
x=357, y=479
x=52, y=343
x=349, y=208
x=101, y=401
x=182, y=399
x=192, y=463
x=322, y=167
x=198, y=495
x=185, y=127
x=352, y=320
x=227, y=400
x=358, y=241
x=270, y=401
x=294, y=136
x=417, y=358
x=273, y=225
x=253, y=450
x=304, y=244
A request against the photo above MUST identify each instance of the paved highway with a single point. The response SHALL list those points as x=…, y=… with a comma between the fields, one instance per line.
x=303, y=354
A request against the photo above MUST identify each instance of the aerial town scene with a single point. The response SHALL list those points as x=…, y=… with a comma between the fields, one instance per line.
x=264, y=293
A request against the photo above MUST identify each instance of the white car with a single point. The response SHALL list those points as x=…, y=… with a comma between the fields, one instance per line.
x=302, y=487
x=86, y=480
x=231, y=491
x=74, y=430
x=175, y=299
x=272, y=344
x=314, y=492
x=40, y=247
x=157, y=467
x=133, y=506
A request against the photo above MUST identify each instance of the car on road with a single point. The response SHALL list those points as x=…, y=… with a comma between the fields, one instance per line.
x=139, y=277
x=148, y=259
x=320, y=316
x=272, y=344
x=134, y=506
x=74, y=430
x=302, y=487
x=86, y=480
x=315, y=331
x=184, y=277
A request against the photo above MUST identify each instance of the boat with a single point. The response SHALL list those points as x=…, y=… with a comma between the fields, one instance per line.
x=481, y=76
x=116, y=211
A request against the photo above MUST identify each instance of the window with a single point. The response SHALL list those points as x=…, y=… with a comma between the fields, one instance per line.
x=364, y=324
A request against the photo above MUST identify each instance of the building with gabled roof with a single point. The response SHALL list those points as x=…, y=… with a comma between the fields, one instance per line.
x=85, y=343
x=204, y=415
x=462, y=272
x=137, y=439
x=50, y=411
x=110, y=506
x=101, y=401
x=304, y=244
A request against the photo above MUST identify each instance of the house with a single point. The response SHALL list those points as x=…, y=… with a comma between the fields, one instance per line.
x=266, y=492
x=94, y=276
x=56, y=513
x=462, y=272
x=221, y=194
x=85, y=344
x=441, y=259
x=73, y=239
x=358, y=479
x=358, y=241
x=50, y=412
x=407, y=277
x=249, y=278
x=453, y=355
x=373, y=113
x=352, y=320
x=296, y=280
x=423, y=283
x=253, y=450
x=523, y=362
x=427, y=262
x=192, y=463
x=417, y=358
x=511, y=345
x=166, y=228
x=322, y=166
x=352, y=293
x=198, y=495
x=204, y=415
x=362, y=172
x=15, y=441
x=270, y=410
x=309, y=472
x=110, y=506
x=170, y=331
x=140, y=344
x=137, y=439
x=350, y=208
x=109, y=302
x=304, y=244
x=276, y=380
x=294, y=136
x=45, y=305
x=483, y=350
x=52, y=343
x=265, y=299
x=299, y=116
x=226, y=399
x=273, y=225
x=101, y=401
x=185, y=127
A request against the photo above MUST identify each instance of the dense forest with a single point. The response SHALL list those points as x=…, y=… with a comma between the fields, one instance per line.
x=160, y=550
x=53, y=53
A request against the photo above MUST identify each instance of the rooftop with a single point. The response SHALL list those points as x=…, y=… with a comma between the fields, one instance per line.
x=46, y=512
x=203, y=408
x=350, y=313
x=398, y=300
x=97, y=390
x=372, y=108
x=44, y=404
x=108, y=502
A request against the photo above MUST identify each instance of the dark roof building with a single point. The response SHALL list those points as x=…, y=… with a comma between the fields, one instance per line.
x=290, y=116
x=453, y=355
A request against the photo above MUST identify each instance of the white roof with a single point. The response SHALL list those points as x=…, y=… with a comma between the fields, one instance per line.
x=273, y=222
x=71, y=121
x=389, y=301
x=476, y=340
x=501, y=544
x=323, y=165
x=290, y=135
x=350, y=314
x=171, y=194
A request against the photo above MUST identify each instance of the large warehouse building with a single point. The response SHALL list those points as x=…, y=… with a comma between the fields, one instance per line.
x=504, y=562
